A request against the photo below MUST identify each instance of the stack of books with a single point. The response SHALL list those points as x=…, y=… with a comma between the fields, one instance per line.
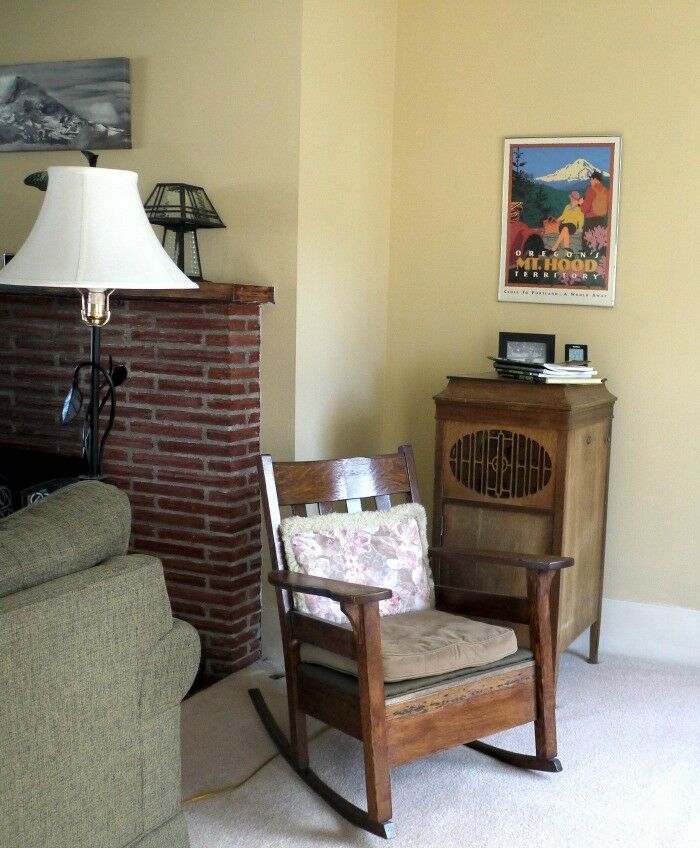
x=547, y=372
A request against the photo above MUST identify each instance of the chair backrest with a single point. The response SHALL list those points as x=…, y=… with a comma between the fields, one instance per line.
x=328, y=483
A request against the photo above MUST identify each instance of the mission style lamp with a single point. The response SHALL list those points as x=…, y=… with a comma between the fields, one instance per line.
x=181, y=210
x=92, y=234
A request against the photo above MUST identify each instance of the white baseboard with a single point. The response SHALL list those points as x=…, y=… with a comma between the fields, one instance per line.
x=648, y=631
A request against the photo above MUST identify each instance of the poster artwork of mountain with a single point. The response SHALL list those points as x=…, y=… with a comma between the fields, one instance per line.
x=559, y=216
x=575, y=175
x=68, y=105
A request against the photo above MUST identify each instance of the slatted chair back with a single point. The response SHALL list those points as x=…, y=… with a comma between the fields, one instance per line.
x=327, y=483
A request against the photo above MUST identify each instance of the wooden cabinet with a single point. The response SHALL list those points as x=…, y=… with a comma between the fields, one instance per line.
x=524, y=467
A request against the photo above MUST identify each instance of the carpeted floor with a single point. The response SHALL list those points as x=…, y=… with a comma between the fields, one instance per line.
x=629, y=742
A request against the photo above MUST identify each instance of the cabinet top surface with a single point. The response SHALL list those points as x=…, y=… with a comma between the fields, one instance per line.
x=492, y=390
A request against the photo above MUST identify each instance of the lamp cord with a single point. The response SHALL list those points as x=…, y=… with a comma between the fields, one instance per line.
x=232, y=787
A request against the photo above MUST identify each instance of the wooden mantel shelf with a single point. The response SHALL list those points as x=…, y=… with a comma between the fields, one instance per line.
x=206, y=293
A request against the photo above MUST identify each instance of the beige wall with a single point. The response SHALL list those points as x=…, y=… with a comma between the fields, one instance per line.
x=215, y=96
x=470, y=73
x=289, y=121
x=347, y=90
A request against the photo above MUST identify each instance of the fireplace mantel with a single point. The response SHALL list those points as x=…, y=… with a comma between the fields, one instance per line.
x=207, y=292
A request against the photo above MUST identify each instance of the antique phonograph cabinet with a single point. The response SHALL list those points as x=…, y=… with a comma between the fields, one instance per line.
x=524, y=467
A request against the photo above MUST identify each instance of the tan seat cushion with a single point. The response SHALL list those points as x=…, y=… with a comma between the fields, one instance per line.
x=426, y=643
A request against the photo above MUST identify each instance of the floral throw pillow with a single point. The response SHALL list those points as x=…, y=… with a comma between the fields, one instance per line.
x=385, y=548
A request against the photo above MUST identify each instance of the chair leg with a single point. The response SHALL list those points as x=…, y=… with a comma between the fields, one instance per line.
x=365, y=624
x=299, y=741
x=377, y=781
x=298, y=737
x=546, y=727
x=538, y=590
x=348, y=811
x=376, y=755
x=594, y=642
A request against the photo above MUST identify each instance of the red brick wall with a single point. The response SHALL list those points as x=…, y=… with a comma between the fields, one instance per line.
x=183, y=445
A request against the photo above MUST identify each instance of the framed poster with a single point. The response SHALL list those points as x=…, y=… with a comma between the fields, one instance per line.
x=65, y=105
x=559, y=220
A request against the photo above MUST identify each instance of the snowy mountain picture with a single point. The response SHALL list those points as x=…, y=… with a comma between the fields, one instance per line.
x=68, y=105
x=575, y=175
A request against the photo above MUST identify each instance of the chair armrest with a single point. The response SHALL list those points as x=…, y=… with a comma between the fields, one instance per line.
x=336, y=590
x=538, y=562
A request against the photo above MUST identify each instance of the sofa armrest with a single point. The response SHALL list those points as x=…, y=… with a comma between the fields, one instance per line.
x=168, y=671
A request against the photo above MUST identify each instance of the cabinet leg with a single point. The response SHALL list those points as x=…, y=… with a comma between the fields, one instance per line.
x=594, y=642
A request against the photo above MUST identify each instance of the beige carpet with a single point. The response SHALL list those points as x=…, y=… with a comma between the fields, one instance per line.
x=629, y=742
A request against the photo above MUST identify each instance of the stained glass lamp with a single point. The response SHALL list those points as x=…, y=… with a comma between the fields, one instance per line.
x=181, y=210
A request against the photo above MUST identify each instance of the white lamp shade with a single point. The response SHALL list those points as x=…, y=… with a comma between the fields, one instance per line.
x=92, y=233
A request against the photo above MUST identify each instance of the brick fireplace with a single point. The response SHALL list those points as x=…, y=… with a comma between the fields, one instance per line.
x=184, y=442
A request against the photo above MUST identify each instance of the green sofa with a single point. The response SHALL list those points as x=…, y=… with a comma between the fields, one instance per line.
x=92, y=671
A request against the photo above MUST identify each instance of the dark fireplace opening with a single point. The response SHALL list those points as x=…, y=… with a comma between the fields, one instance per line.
x=27, y=475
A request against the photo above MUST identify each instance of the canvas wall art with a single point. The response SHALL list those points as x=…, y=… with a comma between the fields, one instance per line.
x=559, y=220
x=65, y=105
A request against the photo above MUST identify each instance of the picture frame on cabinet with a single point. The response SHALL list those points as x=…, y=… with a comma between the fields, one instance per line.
x=526, y=347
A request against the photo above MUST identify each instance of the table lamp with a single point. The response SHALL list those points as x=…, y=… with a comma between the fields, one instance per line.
x=182, y=209
x=92, y=234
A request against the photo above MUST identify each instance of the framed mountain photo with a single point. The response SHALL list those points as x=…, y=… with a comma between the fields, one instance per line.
x=65, y=105
x=559, y=220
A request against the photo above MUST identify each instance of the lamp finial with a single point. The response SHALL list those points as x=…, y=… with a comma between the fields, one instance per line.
x=91, y=157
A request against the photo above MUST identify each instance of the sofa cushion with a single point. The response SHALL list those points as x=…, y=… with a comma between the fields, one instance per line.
x=73, y=529
x=425, y=644
x=385, y=548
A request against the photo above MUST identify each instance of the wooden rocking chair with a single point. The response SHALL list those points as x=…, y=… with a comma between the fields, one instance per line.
x=398, y=723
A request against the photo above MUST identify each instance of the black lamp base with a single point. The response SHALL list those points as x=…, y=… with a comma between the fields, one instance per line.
x=103, y=382
x=182, y=247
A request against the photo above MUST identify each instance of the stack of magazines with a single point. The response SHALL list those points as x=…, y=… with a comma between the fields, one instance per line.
x=546, y=372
